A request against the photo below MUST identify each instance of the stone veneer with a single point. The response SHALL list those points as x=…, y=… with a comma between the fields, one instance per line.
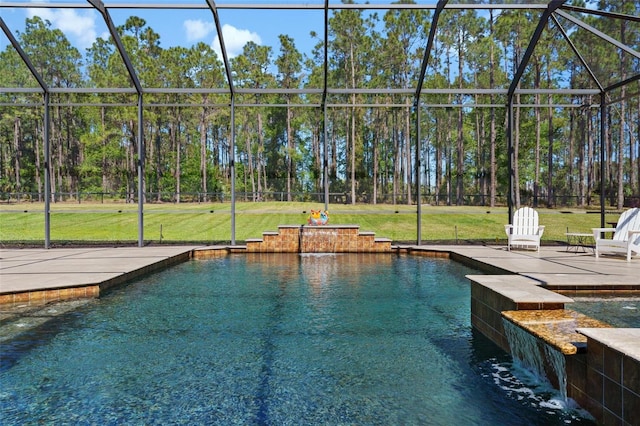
x=318, y=239
x=606, y=380
x=42, y=297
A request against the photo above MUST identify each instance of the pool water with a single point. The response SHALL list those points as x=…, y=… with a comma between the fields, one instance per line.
x=274, y=339
x=621, y=312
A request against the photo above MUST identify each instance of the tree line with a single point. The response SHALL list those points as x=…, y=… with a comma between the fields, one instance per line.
x=278, y=144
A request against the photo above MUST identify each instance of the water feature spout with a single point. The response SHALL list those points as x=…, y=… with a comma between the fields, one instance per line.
x=547, y=363
x=542, y=340
x=317, y=239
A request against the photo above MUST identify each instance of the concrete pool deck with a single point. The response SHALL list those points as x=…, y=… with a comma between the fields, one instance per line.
x=34, y=275
x=553, y=267
x=33, y=270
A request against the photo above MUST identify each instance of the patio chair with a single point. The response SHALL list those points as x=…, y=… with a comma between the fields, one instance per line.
x=525, y=231
x=626, y=235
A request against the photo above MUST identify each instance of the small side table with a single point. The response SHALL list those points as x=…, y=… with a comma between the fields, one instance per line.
x=578, y=241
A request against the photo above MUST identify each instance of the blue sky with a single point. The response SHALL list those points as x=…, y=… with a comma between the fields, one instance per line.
x=180, y=27
x=184, y=27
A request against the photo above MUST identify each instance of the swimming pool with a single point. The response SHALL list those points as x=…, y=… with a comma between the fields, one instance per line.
x=273, y=339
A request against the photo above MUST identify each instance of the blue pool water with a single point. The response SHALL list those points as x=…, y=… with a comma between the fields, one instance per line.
x=274, y=339
x=618, y=311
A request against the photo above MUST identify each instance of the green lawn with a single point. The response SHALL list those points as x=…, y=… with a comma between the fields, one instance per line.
x=211, y=222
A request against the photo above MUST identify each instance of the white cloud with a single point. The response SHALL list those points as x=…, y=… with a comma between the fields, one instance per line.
x=234, y=40
x=105, y=35
x=80, y=28
x=197, y=29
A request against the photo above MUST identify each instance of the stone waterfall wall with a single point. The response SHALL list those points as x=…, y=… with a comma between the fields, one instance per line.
x=319, y=239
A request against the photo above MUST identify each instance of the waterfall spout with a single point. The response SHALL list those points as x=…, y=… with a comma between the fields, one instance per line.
x=546, y=362
x=543, y=339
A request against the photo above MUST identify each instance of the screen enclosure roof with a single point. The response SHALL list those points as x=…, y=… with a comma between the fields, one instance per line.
x=545, y=29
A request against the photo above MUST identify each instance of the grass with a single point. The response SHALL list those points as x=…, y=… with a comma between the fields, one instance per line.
x=211, y=222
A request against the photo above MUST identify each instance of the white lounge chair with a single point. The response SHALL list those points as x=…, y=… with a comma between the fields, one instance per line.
x=626, y=235
x=525, y=231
